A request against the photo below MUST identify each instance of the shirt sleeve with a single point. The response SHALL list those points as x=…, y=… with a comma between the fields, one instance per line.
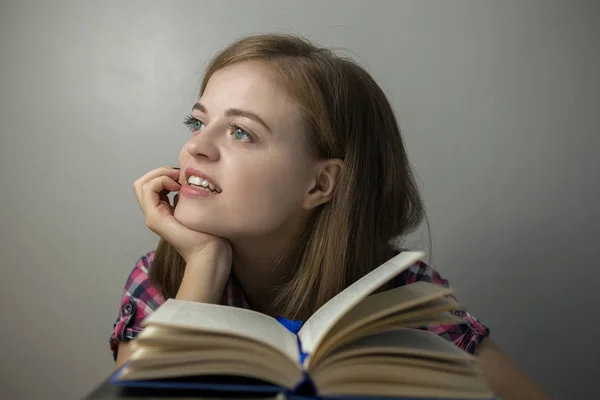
x=465, y=335
x=139, y=300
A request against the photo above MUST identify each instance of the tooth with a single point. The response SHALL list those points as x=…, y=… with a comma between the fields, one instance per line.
x=211, y=186
x=205, y=183
x=219, y=190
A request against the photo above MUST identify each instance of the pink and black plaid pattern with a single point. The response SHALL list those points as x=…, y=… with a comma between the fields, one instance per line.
x=465, y=335
x=140, y=299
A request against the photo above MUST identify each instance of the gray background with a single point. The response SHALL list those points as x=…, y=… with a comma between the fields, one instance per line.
x=499, y=103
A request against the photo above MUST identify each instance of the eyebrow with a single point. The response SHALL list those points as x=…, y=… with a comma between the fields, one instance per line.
x=236, y=112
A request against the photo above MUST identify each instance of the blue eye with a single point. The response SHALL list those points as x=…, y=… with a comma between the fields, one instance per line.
x=197, y=125
x=240, y=134
x=194, y=124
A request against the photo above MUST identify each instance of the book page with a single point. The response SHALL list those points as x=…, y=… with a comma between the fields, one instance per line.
x=406, y=341
x=317, y=326
x=392, y=323
x=216, y=318
x=394, y=301
x=400, y=375
x=274, y=365
x=445, y=365
x=173, y=339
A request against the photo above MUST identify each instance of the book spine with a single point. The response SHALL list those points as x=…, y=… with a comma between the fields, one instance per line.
x=305, y=388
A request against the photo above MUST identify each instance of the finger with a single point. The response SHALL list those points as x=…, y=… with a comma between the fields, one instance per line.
x=164, y=197
x=166, y=170
x=171, y=172
x=152, y=189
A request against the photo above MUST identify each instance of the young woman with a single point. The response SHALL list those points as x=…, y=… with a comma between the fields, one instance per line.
x=292, y=185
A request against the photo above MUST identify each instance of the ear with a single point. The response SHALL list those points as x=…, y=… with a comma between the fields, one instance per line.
x=323, y=185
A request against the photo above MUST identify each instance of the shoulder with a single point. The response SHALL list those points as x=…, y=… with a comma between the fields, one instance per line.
x=139, y=299
x=420, y=271
x=465, y=335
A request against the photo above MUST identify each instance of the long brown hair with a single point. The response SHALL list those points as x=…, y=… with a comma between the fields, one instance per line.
x=349, y=117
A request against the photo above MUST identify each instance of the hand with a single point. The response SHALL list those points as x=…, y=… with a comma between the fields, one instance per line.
x=151, y=191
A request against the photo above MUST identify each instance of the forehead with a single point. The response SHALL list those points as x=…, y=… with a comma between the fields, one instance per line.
x=250, y=86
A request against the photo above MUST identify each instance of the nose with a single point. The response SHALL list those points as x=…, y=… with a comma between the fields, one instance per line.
x=203, y=145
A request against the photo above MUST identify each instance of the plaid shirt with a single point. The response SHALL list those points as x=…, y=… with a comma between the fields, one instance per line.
x=140, y=299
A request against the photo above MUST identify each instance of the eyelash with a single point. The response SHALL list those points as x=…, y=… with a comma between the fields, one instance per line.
x=189, y=122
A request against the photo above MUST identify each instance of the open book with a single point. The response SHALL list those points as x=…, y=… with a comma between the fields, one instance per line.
x=357, y=344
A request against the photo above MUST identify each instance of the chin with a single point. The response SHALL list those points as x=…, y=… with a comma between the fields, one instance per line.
x=195, y=220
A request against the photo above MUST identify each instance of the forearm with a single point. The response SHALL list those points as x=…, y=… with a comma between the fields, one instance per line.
x=123, y=354
x=504, y=377
x=205, y=278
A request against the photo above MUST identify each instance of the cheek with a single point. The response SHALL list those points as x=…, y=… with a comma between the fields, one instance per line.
x=190, y=214
x=271, y=183
x=271, y=177
x=183, y=156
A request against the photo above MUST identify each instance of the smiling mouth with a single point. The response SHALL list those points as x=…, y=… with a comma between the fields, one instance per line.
x=201, y=183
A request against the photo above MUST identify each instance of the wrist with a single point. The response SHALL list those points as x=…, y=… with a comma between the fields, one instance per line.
x=215, y=252
x=206, y=275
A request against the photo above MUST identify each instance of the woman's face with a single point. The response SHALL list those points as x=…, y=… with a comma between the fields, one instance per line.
x=248, y=141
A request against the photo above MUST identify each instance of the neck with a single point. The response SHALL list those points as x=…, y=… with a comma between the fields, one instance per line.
x=262, y=265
